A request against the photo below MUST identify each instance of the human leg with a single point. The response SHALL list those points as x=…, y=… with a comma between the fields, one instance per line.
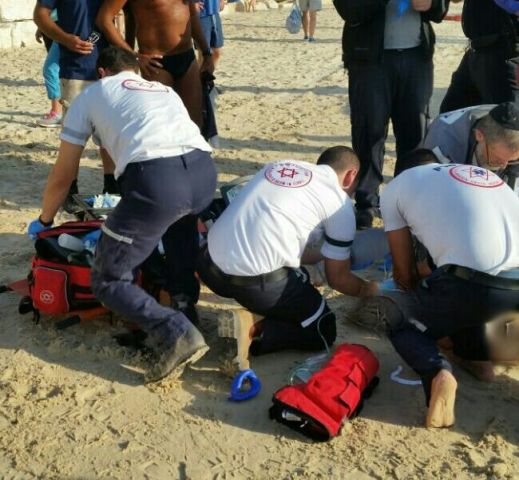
x=412, y=86
x=52, y=85
x=217, y=38
x=295, y=314
x=306, y=23
x=493, y=76
x=461, y=92
x=312, y=23
x=154, y=194
x=184, y=77
x=370, y=101
x=442, y=306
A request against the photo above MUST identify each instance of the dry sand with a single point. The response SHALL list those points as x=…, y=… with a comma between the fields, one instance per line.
x=73, y=406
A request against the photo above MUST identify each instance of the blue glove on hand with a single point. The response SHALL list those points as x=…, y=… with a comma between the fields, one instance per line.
x=36, y=227
x=510, y=6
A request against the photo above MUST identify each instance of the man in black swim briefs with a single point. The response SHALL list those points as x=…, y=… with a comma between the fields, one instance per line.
x=165, y=30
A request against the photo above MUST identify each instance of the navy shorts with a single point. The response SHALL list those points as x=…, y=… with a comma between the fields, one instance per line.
x=212, y=28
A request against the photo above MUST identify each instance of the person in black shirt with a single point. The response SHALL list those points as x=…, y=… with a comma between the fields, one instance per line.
x=486, y=74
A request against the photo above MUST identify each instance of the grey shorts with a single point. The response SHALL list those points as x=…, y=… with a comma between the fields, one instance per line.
x=70, y=89
x=310, y=5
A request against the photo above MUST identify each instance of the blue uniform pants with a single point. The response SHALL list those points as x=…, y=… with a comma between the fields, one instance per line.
x=157, y=195
x=441, y=306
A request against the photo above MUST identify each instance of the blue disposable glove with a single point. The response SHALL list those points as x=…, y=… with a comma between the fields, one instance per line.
x=36, y=227
x=403, y=6
x=510, y=6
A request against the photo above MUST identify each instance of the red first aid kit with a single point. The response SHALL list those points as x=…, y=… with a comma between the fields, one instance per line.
x=335, y=393
x=59, y=281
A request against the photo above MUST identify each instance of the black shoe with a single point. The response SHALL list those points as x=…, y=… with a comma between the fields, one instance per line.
x=187, y=349
x=364, y=217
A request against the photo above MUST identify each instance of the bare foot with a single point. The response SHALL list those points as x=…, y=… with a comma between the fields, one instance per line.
x=441, y=405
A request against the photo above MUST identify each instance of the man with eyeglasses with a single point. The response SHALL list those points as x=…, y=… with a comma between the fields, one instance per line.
x=485, y=135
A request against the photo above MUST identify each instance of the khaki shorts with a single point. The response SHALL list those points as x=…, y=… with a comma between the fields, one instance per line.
x=70, y=89
x=310, y=5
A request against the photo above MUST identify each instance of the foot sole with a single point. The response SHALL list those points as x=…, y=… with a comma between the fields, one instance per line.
x=441, y=404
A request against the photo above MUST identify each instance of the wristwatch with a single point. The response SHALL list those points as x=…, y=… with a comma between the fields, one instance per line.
x=207, y=52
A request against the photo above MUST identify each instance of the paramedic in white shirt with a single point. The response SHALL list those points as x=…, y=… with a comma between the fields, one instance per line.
x=256, y=247
x=166, y=175
x=467, y=219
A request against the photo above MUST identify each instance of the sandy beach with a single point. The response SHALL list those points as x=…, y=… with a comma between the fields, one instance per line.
x=73, y=404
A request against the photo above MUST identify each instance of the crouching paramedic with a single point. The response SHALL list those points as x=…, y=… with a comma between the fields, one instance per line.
x=166, y=175
x=256, y=247
x=466, y=217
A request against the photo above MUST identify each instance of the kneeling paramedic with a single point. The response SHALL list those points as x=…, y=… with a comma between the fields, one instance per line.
x=166, y=176
x=256, y=247
x=466, y=218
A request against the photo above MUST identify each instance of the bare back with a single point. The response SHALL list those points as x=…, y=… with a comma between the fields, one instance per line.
x=162, y=27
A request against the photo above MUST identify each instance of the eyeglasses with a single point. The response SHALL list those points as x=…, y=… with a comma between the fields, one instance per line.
x=499, y=160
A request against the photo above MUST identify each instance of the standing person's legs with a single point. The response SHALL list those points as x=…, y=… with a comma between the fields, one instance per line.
x=306, y=23
x=52, y=85
x=493, y=75
x=462, y=91
x=370, y=104
x=412, y=85
x=217, y=39
x=315, y=6
x=312, y=23
x=304, y=5
x=189, y=89
x=213, y=34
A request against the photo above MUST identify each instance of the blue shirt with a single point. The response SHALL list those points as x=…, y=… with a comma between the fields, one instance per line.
x=78, y=18
x=211, y=7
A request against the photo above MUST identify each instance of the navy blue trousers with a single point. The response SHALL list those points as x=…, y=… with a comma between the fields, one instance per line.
x=399, y=89
x=484, y=76
x=156, y=195
x=442, y=306
x=296, y=314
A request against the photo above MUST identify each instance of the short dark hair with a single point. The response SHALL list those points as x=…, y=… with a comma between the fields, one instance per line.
x=415, y=158
x=117, y=59
x=340, y=158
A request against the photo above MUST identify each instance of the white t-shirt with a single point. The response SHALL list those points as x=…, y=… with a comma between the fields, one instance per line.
x=269, y=223
x=463, y=214
x=133, y=119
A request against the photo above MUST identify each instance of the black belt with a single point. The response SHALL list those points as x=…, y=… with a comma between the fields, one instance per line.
x=243, y=281
x=481, y=278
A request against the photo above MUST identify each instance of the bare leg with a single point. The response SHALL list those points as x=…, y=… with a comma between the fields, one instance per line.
x=217, y=53
x=443, y=396
x=313, y=20
x=55, y=106
x=306, y=16
x=189, y=89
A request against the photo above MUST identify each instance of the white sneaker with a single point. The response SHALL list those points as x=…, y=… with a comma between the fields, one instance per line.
x=50, y=120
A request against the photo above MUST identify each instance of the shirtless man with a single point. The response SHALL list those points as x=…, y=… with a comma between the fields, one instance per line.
x=165, y=30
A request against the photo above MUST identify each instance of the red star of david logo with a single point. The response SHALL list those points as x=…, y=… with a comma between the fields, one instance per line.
x=287, y=172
